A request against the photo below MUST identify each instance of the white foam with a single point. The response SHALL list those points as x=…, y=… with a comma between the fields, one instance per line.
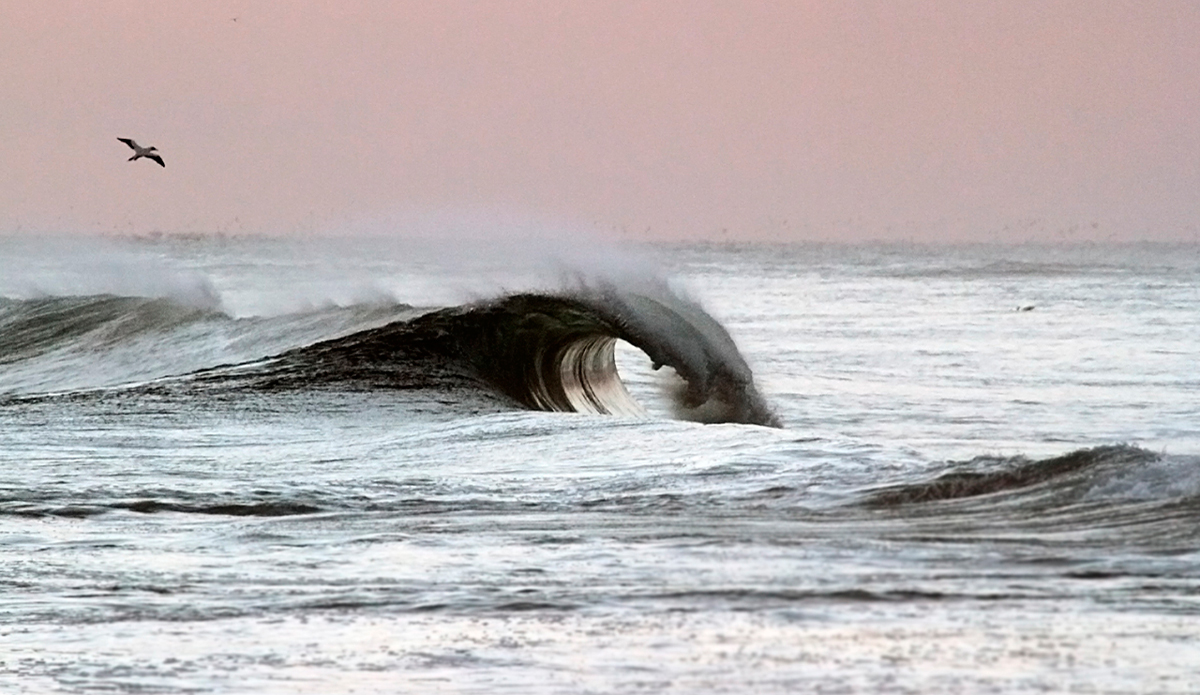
x=1167, y=477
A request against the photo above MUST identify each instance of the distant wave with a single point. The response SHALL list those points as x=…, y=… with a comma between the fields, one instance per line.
x=541, y=351
x=996, y=269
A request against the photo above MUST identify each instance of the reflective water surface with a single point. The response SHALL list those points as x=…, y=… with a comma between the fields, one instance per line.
x=965, y=496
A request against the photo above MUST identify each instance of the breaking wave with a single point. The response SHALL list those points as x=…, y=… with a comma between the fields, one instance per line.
x=551, y=352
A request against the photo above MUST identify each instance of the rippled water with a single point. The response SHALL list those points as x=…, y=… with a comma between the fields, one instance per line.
x=964, y=496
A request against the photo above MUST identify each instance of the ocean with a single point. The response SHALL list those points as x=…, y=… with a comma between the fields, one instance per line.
x=365, y=465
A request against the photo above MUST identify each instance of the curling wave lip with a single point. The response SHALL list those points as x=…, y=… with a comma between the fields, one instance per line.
x=551, y=352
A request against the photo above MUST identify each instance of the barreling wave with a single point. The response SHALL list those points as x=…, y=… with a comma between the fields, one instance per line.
x=541, y=351
x=551, y=352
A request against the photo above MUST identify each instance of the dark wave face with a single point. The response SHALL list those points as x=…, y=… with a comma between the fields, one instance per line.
x=545, y=352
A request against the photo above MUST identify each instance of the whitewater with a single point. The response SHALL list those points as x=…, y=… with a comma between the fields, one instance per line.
x=264, y=465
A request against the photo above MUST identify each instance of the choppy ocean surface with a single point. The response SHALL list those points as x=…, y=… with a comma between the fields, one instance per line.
x=273, y=466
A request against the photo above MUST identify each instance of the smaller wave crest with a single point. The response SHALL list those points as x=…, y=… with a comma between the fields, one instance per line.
x=34, y=326
x=1104, y=497
x=1015, y=475
x=62, y=344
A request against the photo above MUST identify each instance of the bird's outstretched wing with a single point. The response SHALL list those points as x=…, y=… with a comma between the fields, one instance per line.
x=129, y=142
x=157, y=159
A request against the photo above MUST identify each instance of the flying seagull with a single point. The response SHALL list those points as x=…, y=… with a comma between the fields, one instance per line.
x=147, y=152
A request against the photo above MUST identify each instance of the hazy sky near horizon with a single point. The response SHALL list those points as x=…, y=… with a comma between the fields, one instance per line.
x=789, y=120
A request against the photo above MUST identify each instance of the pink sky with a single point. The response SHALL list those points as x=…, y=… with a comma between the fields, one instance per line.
x=779, y=120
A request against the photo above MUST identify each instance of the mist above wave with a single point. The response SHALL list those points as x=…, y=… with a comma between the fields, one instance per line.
x=432, y=260
x=79, y=266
